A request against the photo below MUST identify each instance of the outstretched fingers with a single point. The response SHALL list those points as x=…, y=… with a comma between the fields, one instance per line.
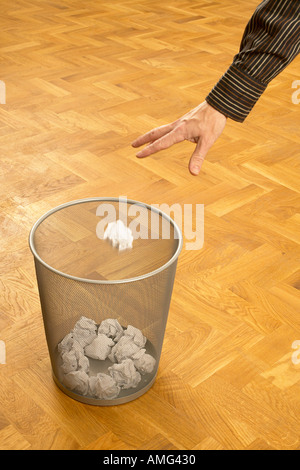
x=162, y=143
x=152, y=135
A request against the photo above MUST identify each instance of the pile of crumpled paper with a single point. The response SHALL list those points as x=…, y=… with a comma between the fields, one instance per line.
x=124, y=347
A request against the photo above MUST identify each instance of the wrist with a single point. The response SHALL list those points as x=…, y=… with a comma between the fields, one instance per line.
x=215, y=109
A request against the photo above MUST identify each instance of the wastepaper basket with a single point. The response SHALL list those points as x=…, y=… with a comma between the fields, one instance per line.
x=104, y=309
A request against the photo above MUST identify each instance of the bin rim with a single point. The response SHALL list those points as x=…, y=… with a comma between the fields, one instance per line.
x=106, y=281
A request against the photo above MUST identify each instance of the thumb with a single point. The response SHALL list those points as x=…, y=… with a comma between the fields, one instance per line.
x=197, y=158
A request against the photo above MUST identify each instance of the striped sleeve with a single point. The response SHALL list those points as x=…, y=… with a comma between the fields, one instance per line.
x=270, y=42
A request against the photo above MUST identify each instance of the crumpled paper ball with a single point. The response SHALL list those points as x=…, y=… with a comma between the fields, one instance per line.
x=74, y=360
x=68, y=343
x=125, y=374
x=119, y=235
x=84, y=331
x=99, y=348
x=143, y=362
x=82, y=361
x=86, y=324
x=69, y=363
x=137, y=336
x=111, y=328
x=77, y=381
x=103, y=386
x=123, y=349
x=65, y=344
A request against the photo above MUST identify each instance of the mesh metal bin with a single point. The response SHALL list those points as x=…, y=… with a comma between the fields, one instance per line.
x=87, y=285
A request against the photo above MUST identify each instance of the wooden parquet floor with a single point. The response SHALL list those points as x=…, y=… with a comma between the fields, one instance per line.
x=83, y=80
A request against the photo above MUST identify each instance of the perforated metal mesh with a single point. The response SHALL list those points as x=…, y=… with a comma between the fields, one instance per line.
x=80, y=274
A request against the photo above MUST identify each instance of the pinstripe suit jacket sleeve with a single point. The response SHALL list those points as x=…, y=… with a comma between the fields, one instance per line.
x=270, y=42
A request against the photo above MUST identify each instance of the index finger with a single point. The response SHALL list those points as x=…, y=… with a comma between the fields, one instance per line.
x=152, y=135
x=164, y=142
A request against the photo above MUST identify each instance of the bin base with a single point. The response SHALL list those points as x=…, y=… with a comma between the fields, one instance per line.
x=99, y=402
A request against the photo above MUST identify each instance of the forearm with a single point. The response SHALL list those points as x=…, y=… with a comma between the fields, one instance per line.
x=270, y=42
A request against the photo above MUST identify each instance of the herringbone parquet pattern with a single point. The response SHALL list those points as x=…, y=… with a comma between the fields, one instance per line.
x=84, y=79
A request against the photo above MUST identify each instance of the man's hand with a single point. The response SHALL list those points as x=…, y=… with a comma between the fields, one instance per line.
x=202, y=125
